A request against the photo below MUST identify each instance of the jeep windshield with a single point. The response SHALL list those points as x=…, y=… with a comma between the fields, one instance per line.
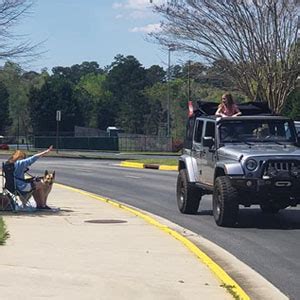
x=256, y=131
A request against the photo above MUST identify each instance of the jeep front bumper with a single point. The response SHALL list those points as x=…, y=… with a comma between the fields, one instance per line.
x=288, y=188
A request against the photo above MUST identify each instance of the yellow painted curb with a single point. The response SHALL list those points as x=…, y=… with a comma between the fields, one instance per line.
x=128, y=164
x=168, y=168
x=131, y=165
x=228, y=283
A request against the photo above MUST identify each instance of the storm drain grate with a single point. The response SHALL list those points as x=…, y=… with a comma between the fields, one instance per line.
x=105, y=221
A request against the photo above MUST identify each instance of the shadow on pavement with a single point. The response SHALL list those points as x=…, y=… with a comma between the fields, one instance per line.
x=205, y=212
x=288, y=219
x=36, y=213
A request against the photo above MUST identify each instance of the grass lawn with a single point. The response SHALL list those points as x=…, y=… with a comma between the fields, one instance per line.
x=3, y=232
x=157, y=161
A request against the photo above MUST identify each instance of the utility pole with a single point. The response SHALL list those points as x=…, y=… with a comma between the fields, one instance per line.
x=297, y=2
x=170, y=48
x=168, y=104
x=18, y=132
x=189, y=81
x=58, y=119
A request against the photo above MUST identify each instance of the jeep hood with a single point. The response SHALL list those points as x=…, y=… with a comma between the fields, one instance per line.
x=237, y=151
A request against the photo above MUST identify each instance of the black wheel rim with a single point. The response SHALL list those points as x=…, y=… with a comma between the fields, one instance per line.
x=217, y=201
x=181, y=194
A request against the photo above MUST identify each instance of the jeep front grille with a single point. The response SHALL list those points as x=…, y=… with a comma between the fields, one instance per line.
x=280, y=166
x=276, y=168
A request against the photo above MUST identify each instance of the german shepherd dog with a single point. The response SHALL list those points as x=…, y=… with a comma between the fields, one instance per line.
x=43, y=189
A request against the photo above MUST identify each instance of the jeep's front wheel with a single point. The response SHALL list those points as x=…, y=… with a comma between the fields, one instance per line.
x=225, y=202
x=188, y=198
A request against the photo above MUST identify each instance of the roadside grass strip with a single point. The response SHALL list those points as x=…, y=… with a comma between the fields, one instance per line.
x=227, y=282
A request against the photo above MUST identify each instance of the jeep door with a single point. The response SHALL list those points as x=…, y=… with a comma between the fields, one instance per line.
x=188, y=141
x=197, y=145
x=208, y=155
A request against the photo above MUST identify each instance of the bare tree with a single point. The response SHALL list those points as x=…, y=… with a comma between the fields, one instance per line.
x=255, y=41
x=14, y=46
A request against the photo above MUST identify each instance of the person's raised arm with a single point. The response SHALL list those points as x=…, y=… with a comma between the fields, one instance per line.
x=44, y=152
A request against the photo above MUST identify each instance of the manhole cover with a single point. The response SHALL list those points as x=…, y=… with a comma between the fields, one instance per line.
x=105, y=221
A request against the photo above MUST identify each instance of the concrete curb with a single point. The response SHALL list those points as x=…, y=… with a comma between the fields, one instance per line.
x=128, y=164
x=168, y=168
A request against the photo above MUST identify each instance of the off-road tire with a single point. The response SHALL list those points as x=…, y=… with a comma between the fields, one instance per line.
x=268, y=208
x=225, y=202
x=188, y=197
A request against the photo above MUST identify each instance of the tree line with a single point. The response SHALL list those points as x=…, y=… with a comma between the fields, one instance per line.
x=124, y=94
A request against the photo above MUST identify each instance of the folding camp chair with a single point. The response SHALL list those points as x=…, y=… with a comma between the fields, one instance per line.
x=14, y=198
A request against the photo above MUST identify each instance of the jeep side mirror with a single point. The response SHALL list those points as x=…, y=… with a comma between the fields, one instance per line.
x=208, y=141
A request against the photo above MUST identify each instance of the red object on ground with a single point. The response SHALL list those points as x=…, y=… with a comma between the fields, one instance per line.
x=4, y=147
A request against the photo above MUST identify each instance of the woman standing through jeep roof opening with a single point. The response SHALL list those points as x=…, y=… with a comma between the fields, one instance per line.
x=21, y=163
x=227, y=108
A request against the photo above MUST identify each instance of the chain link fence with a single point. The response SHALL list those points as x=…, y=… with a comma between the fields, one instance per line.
x=122, y=142
x=119, y=143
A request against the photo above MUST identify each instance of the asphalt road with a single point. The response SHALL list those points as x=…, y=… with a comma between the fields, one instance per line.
x=269, y=244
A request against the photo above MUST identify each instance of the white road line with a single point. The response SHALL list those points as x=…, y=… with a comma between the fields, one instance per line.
x=135, y=177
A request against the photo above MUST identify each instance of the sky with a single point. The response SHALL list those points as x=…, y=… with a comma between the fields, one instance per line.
x=74, y=31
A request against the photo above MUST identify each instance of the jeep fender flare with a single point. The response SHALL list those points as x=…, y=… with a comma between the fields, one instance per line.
x=228, y=169
x=190, y=164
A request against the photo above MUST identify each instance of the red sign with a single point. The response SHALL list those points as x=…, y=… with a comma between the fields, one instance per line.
x=191, y=108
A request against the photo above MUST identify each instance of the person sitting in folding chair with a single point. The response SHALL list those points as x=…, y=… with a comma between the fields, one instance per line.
x=21, y=164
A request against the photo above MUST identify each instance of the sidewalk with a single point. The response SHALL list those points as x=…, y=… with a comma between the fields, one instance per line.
x=64, y=256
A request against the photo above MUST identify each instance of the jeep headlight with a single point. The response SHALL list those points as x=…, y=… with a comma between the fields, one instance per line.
x=251, y=164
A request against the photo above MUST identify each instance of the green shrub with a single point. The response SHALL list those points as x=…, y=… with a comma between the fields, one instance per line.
x=3, y=232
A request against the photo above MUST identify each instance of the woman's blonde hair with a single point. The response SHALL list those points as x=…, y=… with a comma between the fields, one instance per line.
x=17, y=155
